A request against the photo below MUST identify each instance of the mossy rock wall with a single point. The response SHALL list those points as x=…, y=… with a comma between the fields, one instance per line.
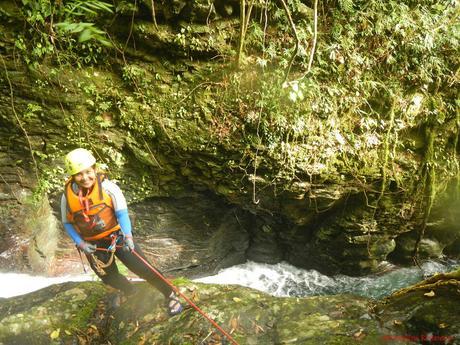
x=336, y=166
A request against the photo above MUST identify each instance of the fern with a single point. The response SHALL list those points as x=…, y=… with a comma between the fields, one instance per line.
x=87, y=31
x=346, y=5
x=83, y=8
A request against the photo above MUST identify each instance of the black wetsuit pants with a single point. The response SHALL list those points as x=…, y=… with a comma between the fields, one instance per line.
x=111, y=276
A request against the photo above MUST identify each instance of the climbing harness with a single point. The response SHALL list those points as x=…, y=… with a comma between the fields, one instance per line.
x=176, y=290
x=99, y=264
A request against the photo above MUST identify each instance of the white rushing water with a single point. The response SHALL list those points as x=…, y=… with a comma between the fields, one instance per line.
x=279, y=280
x=286, y=280
x=15, y=284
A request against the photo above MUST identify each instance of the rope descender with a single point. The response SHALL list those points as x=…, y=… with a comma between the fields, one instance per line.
x=113, y=243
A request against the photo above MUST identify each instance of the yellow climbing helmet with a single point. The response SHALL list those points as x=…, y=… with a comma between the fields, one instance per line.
x=78, y=160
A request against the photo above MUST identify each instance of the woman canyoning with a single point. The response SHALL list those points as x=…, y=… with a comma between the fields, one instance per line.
x=94, y=213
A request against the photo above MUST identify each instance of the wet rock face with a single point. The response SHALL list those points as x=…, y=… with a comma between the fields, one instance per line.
x=198, y=233
x=14, y=188
x=194, y=235
x=29, y=235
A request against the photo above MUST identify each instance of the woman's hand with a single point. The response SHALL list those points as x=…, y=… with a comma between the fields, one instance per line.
x=88, y=248
x=128, y=243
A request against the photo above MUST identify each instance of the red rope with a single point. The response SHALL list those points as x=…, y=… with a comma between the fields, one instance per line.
x=189, y=301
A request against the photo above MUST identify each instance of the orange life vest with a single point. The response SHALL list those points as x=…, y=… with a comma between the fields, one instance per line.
x=93, y=214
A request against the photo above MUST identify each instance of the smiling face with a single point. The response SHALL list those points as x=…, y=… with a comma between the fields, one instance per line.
x=85, y=178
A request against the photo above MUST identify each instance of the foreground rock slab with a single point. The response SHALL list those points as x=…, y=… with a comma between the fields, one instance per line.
x=85, y=313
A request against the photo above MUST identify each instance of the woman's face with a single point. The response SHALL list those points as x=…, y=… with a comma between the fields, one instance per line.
x=85, y=178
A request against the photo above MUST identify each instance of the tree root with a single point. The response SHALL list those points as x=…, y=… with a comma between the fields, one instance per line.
x=432, y=283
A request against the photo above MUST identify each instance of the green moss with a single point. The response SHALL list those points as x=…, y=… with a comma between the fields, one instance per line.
x=251, y=317
x=180, y=281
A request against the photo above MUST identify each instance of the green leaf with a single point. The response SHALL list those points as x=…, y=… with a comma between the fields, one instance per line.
x=55, y=334
x=85, y=35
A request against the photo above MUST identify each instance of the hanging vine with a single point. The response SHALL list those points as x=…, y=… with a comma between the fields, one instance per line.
x=386, y=152
x=427, y=186
x=245, y=16
x=454, y=155
x=297, y=42
x=384, y=166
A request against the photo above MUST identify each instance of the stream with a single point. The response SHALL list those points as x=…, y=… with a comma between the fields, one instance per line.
x=279, y=279
x=285, y=280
